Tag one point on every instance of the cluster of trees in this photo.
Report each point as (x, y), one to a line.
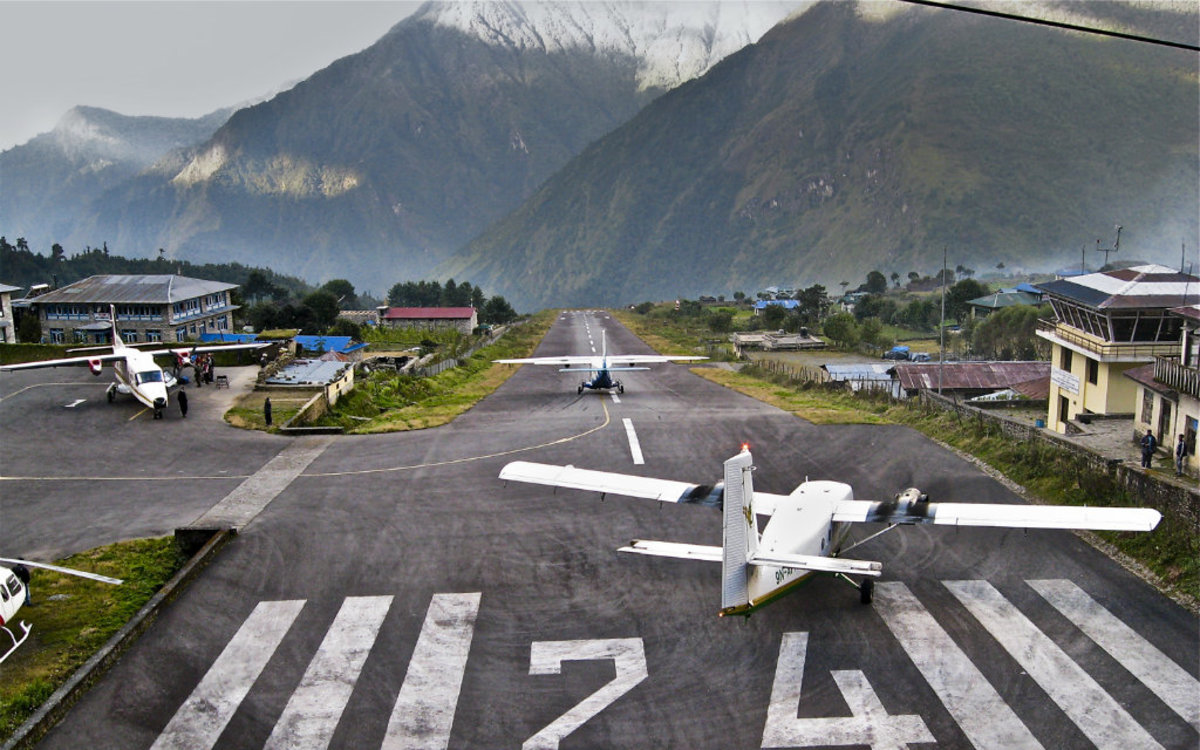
(492, 311)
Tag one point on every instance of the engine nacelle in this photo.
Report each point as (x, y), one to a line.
(96, 366)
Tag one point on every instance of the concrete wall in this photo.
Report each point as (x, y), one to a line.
(1181, 504)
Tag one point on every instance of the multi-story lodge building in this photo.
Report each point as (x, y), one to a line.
(1168, 400)
(153, 307)
(1106, 324)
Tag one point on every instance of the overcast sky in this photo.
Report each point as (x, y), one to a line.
(172, 58)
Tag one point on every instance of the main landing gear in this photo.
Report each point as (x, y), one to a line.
(111, 392)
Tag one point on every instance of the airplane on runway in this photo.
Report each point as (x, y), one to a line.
(806, 530)
(603, 365)
(12, 596)
(136, 372)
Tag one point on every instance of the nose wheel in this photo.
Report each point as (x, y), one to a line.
(579, 389)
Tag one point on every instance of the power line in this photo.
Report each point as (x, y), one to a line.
(1055, 24)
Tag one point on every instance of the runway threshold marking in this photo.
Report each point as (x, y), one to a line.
(634, 446)
(203, 716)
(979, 710)
(1154, 669)
(423, 714)
(312, 713)
(1097, 714)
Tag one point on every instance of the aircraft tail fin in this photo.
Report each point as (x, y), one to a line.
(116, 337)
(740, 534)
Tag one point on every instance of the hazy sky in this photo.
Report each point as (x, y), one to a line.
(168, 57)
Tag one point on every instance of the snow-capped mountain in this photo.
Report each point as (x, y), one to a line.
(380, 165)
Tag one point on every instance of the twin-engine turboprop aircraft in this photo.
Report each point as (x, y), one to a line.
(805, 530)
(137, 374)
(12, 597)
(603, 365)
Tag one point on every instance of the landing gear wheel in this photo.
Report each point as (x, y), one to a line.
(158, 413)
(865, 590)
(620, 388)
(579, 389)
(111, 393)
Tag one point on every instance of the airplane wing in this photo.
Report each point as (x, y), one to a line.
(674, 549)
(997, 515)
(204, 349)
(65, 361)
(556, 361)
(594, 361)
(636, 359)
(628, 485)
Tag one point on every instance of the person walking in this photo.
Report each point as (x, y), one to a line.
(1180, 456)
(1149, 444)
(182, 399)
(267, 411)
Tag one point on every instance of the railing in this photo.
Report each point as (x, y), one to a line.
(1169, 372)
(1104, 350)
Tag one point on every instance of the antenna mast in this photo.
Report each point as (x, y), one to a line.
(1106, 250)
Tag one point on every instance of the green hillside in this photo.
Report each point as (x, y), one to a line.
(841, 143)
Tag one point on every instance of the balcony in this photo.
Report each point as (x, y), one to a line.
(1179, 377)
(1105, 351)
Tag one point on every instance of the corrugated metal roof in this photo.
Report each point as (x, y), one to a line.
(1150, 286)
(970, 375)
(5, 288)
(859, 371)
(121, 289)
(428, 313)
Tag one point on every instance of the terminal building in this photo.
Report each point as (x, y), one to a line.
(149, 308)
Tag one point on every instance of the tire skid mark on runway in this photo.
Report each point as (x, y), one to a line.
(318, 474)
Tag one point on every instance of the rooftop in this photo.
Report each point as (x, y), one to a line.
(133, 288)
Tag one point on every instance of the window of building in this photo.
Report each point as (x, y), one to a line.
(1066, 359)
(56, 336)
(153, 334)
(129, 335)
(1147, 405)
(1093, 371)
(181, 334)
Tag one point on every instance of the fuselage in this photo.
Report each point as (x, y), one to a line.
(142, 377)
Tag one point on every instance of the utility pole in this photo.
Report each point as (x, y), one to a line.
(1106, 250)
(942, 325)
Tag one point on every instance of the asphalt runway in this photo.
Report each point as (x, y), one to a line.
(397, 594)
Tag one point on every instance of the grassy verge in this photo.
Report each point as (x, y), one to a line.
(388, 402)
(72, 617)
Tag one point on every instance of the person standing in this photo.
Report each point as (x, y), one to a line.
(1180, 456)
(1149, 443)
(267, 410)
(182, 399)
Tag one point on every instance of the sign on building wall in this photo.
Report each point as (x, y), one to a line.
(1064, 380)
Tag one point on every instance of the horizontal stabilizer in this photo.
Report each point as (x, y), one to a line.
(999, 515)
(674, 549)
(601, 369)
(817, 563)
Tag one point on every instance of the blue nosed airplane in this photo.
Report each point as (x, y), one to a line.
(603, 366)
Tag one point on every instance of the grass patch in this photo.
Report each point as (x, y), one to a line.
(72, 617)
(817, 405)
(391, 402)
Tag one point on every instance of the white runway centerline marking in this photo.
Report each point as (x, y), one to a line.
(312, 713)
(203, 716)
(634, 447)
(1094, 711)
(1166, 679)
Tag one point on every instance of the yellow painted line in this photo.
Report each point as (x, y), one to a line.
(382, 470)
(468, 459)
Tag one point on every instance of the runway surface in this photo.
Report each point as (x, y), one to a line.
(394, 593)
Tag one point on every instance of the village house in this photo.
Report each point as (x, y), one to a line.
(464, 319)
(1168, 398)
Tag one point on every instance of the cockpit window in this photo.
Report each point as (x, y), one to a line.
(150, 376)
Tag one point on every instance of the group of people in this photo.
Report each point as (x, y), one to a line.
(1150, 444)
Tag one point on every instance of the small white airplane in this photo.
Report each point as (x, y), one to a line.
(603, 365)
(805, 530)
(12, 596)
(136, 372)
